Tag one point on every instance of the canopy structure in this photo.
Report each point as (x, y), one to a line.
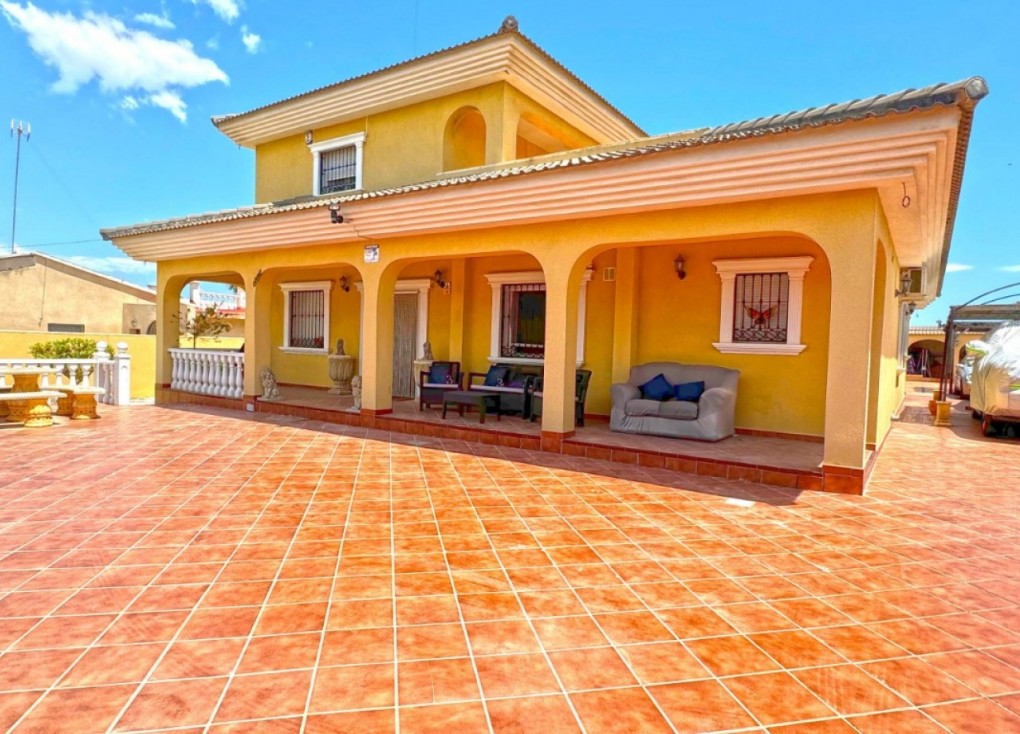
(977, 317)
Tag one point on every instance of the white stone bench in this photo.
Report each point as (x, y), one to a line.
(29, 408)
(78, 401)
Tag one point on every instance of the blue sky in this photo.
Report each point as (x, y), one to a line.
(119, 95)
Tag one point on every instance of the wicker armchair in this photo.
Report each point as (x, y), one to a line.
(439, 379)
(580, 394)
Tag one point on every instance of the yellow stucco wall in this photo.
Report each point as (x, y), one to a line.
(675, 320)
(34, 297)
(406, 145)
(141, 347)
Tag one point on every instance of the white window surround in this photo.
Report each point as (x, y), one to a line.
(498, 280)
(420, 286)
(318, 285)
(317, 149)
(728, 270)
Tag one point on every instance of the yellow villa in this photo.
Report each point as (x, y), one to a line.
(486, 200)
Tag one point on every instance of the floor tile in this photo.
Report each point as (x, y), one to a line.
(700, 706)
(618, 710)
(437, 681)
(97, 705)
(118, 664)
(443, 718)
(775, 698)
(848, 690)
(353, 687)
(172, 703)
(592, 668)
(515, 675)
(532, 715)
(265, 694)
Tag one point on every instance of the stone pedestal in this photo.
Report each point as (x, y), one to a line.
(341, 371)
(420, 365)
(943, 413)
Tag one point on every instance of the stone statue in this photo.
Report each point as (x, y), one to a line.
(426, 348)
(356, 393)
(340, 348)
(269, 389)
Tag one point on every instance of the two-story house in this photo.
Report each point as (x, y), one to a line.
(487, 200)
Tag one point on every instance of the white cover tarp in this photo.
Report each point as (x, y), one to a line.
(995, 379)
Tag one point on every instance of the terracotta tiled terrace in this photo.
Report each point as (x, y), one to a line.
(191, 569)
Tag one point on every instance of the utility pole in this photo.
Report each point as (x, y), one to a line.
(18, 128)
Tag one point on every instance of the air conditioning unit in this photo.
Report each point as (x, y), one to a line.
(916, 281)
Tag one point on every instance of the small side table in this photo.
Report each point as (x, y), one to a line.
(483, 401)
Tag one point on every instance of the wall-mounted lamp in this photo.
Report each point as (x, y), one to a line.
(678, 266)
(344, 285)
(134, 323)
(905, 283)
(308, 137)
(334, 214)
(437, 278)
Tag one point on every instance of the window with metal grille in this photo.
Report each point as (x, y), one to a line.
(522, 333)
(307, 319)
(338, 169)
(761, 307)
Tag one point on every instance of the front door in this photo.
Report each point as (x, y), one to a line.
(405, 331)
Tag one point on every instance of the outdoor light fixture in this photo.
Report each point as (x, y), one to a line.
(438, 278)
(334, 214)
(678, 266)
(905, 282)
(344, 285)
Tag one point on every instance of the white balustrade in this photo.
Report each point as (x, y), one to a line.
(113, 375)
(208, 372)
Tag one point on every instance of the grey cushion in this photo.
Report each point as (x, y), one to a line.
(643, 407)
(682, 409)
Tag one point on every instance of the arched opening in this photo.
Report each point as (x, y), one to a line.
(151, 331)
(924, 358)
(464, 140)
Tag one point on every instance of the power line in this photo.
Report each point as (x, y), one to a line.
(62, 244)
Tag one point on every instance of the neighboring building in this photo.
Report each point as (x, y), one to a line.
(485, 198)
(45, 293)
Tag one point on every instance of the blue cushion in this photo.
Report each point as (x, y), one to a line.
(441, 374)
(496, 375)
(689, 391)
(657, 388)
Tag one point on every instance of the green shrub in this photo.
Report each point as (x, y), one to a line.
(73, 347)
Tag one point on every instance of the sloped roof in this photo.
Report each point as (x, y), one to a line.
(509, 27)
(30, 259)
(964, 94)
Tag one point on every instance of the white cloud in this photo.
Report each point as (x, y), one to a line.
(229, 10)
(213, 44)
(129, 103)
(113, 265)
(958, 268)
(252, 41)
(157, 21)
(1010, 269)
(122, 60)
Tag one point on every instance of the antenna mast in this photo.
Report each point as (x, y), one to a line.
(18, 128)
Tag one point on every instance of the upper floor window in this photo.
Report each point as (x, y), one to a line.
(338, 164)
(306, 317)
(761, 305)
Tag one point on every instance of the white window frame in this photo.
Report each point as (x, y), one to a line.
(728, 270)
(317, 149)
(497, 281)
(318, 285)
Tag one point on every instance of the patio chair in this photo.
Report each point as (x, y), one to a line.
(440, 378)
(580, 394)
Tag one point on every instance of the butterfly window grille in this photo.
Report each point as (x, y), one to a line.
(761, 307)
